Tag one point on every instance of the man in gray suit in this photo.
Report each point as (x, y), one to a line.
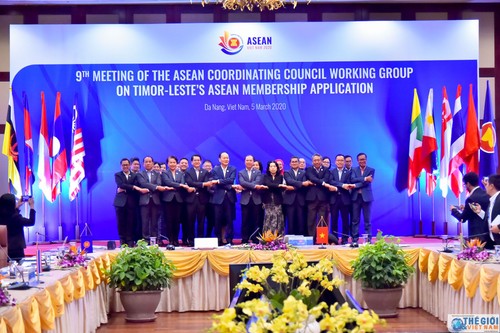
(362, 197)
(149, 202)
(251, 204)
(294, 197)
(125, 202)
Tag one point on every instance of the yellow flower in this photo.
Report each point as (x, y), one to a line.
(304, 289)
(251, 287)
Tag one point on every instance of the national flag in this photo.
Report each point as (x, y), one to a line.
(43, 170)
(488, 154)
(457, 146)
(415, 152)
(58, 151)
(77, 169)
(10, 149)
(429, 146)
(446, 125)
(472, 138)
(29, 177)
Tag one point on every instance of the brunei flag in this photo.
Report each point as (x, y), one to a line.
(10, 149)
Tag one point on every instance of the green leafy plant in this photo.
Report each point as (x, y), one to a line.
(382, 264)
(140, 268)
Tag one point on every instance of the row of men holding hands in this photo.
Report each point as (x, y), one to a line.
(312, 191)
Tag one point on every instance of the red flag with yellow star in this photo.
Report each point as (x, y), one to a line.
(322, 232)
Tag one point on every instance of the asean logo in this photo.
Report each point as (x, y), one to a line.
(231, 44)
(488, 138)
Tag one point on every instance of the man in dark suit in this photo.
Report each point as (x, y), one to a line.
(172, 199)
(251, 203)
(224, 199)
(149, 202)
(294, 197)
(492, 214)
(340, 200)
(317, 194)
(478, 227)
(196, 201)
(362, 197)
(125, 202)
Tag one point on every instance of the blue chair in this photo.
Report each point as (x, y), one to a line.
(352, 301)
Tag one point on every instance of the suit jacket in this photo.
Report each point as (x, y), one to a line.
(142, 179)
(274, 190)
(477, 225)
(15, 231)
(341, 193)
(318, 191)
(363, 187)
(129, 196)
(224, 187)
(201, 192)
(494, 213)
(296, 196)
(175, 181)
(249, 191)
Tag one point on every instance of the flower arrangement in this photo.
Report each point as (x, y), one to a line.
(72, 258)
(5, 298)
(271, 241)
(291, 301)
(474, 251)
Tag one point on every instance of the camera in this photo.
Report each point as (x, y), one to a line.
(25, 198)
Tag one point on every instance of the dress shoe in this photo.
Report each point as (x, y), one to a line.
(354, 244)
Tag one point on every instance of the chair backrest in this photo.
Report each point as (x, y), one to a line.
(4, 260)
(353, 303)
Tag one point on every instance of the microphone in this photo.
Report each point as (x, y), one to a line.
(253, 233)
(16, 285)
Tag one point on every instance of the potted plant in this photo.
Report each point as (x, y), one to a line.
(383, 270)
(139, 274)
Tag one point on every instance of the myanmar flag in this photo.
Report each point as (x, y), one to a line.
(415, 152)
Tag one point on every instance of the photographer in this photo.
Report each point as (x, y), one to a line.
(15, 222)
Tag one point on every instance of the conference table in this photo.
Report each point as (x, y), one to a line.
(78, 300)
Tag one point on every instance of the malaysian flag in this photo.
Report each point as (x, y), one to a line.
(29, 177)
(77, 169)
(58, 151)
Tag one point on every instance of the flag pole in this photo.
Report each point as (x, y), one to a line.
(77, 225)
(60, 229)
(459, 225)
(433, 223)
(420, 227)
(445, 223)
(44, 219)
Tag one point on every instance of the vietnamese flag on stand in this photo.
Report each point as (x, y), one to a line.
(472, 138)
(322, 232)
(415, 151)
(58, 151)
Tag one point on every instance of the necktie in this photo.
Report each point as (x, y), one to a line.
(249, 175)
(149, 176)
(197, 174)
(340, 174)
